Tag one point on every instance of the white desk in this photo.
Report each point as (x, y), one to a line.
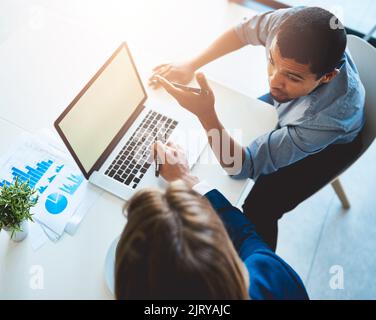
(44, 65)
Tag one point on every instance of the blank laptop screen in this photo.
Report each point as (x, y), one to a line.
(101, 111)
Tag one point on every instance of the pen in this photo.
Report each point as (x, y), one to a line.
(190, 89)
(186, 88)
(156, 160)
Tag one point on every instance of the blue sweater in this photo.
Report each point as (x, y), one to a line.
(270, 276)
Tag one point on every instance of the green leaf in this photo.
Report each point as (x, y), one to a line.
(16, 201)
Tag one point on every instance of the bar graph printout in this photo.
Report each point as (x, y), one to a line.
(60, 185)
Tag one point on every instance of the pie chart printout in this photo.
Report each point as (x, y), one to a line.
(56, 203)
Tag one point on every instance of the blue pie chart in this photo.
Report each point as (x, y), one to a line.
(56, 203)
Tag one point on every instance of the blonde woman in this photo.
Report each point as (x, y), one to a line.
(180, 244)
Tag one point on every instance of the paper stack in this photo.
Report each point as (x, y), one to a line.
(64, 194)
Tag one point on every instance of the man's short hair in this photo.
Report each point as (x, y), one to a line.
(313, 36)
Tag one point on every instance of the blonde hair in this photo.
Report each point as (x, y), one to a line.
(175, 246)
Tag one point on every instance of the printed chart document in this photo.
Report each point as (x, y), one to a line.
(64, 194)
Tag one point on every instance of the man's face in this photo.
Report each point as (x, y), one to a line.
(289, 79)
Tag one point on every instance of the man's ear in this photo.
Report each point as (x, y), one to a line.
(329, 76)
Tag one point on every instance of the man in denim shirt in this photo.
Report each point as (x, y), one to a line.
(319, 97)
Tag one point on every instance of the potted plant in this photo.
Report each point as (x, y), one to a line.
(15, 203)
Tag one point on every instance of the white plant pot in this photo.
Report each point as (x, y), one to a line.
(20, 235)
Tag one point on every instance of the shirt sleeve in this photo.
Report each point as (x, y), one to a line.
(271, 278)
(282, 147)
(239, 227)
(258, 28)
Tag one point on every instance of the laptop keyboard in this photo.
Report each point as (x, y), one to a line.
(133, 160)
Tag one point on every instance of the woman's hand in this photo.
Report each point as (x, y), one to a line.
(173, 163)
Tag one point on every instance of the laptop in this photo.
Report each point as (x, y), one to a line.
(110, 126)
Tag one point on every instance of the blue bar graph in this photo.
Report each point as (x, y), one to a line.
(50, 179)
(58, 168)
(33, 175)
(4, 182)
(76, 182)
(41, 189)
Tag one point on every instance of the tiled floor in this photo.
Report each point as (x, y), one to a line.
(348, 238)
(319, 234)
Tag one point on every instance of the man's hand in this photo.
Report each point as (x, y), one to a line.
(181, 73)
(173, 163)
(201, 105)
